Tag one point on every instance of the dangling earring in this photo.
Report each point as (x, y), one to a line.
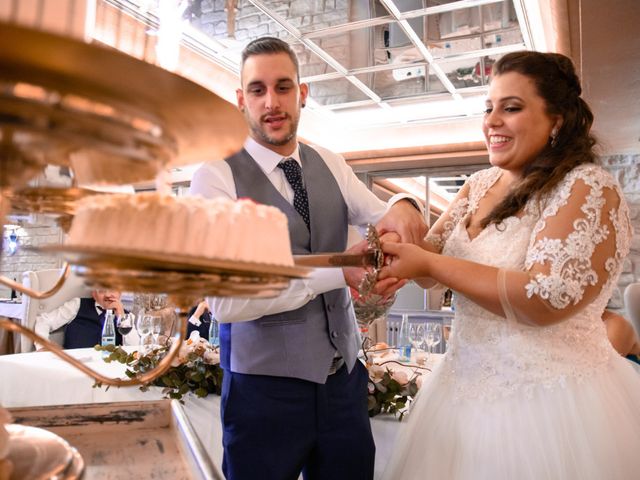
(554, 137)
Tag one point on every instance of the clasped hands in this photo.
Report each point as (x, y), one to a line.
(402, 223)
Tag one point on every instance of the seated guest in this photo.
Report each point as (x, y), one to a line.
(621, 335)
(82, 319)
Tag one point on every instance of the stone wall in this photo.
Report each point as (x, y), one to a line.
(626, 169)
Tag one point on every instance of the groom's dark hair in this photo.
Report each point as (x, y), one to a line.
(269, 46)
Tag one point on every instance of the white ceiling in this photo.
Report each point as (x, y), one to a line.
(370, 113)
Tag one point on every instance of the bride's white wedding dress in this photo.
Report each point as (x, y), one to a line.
(515, 401)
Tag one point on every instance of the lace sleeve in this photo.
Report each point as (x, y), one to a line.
(576, 249)
(441, 230)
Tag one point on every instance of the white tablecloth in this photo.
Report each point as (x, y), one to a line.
(41, 378)
(11, 310)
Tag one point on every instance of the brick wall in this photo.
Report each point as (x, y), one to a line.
(45, 232)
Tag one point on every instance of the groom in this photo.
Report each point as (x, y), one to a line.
(294, 396)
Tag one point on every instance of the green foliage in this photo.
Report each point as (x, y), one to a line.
(387, 395)
(193, 374)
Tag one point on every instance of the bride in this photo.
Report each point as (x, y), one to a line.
(530, 387)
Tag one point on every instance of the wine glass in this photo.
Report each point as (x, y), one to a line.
(432, 335)
(144, 324)
(156, 328)
(416, 335)
(125, 325)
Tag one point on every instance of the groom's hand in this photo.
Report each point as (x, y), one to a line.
(354, 275)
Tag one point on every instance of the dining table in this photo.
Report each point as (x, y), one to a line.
(13, 310)
(43, 379)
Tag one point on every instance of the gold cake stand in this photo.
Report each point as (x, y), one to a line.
(116, 120)
(113, 119)
(48, 200)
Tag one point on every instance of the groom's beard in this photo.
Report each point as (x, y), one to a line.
(260, 133)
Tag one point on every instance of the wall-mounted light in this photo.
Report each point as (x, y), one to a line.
(11, 240)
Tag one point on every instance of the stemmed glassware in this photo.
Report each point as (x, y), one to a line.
(125, 325)
(144, 325)
(416, 335)
(432, 335)
(156, 328)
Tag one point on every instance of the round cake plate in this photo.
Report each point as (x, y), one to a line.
(202, 124)
(49, 200)
(40, 454)
(133, 270)
(130, 258)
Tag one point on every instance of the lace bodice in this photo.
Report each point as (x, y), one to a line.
(489, 356)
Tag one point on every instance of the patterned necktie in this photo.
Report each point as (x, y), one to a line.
(293, 172)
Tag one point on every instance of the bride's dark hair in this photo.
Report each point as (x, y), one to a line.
(557, 83)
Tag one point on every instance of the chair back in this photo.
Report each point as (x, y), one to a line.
(632, 304)
(41, 281)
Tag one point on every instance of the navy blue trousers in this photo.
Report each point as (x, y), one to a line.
(277, 427)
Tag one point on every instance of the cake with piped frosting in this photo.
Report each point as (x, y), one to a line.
(218, 228)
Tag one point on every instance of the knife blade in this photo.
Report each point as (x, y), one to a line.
(371, 258)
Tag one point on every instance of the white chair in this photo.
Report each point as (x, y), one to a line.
(632, 304)
(42, 281)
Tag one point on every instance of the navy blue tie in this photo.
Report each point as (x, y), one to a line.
(293, 172)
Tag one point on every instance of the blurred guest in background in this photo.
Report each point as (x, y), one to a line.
(82, 319)
(622, 335)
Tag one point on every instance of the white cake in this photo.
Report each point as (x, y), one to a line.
(213, 228)
(6, 466)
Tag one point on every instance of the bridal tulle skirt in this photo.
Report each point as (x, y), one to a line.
(582, 429)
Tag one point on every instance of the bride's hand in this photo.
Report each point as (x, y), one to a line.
(402, 261)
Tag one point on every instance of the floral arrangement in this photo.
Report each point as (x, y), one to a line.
(196, 368)
(390, 390)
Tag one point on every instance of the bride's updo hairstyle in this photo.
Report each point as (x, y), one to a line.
(557, 83)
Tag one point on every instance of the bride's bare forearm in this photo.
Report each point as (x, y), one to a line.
(473, 280)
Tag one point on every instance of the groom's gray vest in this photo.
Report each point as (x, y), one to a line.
(299, 343)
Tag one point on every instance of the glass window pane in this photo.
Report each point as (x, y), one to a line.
(411, 5)
(338, 91)
(312, 15)
(469, 72)
(498, 16)
(310, 63)
(359, 48)
(402, 82)
(446, 48)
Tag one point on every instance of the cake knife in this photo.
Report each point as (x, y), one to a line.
(370, 258)
(373, 257)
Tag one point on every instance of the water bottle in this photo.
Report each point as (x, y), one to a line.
(214, 332)
(108, 331)
(404, 340)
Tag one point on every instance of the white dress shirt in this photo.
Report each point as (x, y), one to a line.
(215, 179)
(48, 322)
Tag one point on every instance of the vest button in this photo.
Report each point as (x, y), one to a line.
(329, 308)
(334, 334)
